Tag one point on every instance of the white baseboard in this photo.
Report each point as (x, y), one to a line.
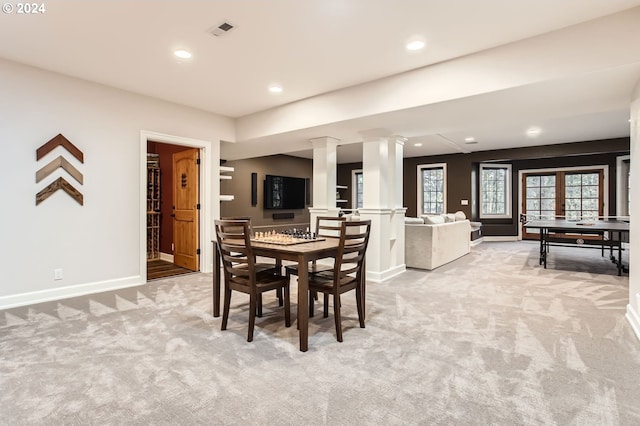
(498, 238)
(378, 277)
(166, 257)
(476, 241)
(41, 296)
(634, 319)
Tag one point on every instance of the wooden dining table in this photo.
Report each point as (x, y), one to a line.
(302, 253)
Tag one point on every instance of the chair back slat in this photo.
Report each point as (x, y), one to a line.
(354, 239)
(329, 226)
(234, 243)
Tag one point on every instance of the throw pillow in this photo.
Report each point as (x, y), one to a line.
(449, 217)
(414, 220)
(460, 215)
(433, 219)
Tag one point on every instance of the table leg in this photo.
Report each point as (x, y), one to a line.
(619, 253)
(216, 280)
(363, 288)
(543, 248)
(303, 303)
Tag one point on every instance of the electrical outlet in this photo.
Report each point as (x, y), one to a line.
(57, 274)
(464, 202)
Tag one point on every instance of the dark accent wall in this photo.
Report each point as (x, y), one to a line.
(463, 182)
(240, 187)
(462, 174)
(165, 151)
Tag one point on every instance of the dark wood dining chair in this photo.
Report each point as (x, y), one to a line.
(348, 272)
(241, 274)
(326, 226)
(275, 267)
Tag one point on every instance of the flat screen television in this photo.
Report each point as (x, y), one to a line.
(284, 192)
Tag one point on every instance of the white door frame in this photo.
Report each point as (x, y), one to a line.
(205, 217)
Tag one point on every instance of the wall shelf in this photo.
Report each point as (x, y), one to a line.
(226, 169)
(339, 189)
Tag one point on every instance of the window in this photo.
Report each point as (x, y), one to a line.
(540, 197)
(574, 193)
(582, 195)
(432, 184)
(358, 189)
(495, 191)
(623, 186)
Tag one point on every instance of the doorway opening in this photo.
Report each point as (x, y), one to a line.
(174, 203)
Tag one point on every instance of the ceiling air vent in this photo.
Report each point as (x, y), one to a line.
(221, 29)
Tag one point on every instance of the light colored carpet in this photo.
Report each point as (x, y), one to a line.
(491, 338)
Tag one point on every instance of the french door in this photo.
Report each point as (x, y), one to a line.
(574, 195)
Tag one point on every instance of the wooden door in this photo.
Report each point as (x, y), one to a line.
(186, 209)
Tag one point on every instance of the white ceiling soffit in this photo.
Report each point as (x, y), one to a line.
(342, 64)
(583, 95)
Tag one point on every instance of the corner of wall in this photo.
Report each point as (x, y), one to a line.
(634, 317)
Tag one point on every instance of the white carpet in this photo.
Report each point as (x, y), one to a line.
(491, 338)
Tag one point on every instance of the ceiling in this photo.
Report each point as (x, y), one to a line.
(322, 49)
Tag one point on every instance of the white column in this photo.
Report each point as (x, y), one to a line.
(397, 210)
(325, 171)
(633, 308)
(382, 204)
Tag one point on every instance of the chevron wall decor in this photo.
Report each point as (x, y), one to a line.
(64, 164)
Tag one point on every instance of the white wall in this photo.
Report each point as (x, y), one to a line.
(97, 245)
(521, 63)
(633, 309)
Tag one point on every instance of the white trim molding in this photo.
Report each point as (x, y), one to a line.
(499, 238)
(634, 318)
(33, 297)
(507, 191)
(377, 277)
(207, 162)
(419, 186)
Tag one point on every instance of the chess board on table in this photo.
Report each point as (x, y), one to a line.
(284, 239)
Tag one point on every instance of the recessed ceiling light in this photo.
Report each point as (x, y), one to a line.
(275, 88)
(534, 132)
(182, 54)
(469, 139)
(417, 144)
(415, 45)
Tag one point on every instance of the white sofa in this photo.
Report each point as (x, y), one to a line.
(430, 245)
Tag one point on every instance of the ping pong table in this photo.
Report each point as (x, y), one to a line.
(604, 228)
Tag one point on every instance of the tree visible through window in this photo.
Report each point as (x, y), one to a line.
(432, 180)
(582, 195)
(357, 177)
(495, 187)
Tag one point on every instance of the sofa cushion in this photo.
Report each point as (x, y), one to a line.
(433, 219)
(417, 220)
(449, 217)
(460, 215)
